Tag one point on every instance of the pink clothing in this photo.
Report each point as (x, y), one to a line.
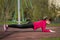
(41, 24)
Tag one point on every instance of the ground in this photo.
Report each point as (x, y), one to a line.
(27, 34)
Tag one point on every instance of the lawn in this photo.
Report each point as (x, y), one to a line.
(54, 24)
(15, 22)
(57, 38)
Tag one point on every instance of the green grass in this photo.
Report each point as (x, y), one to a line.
(58, 38)
(15, 22)
(8, 22)
(54, 24)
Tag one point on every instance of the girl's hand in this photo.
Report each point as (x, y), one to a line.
(52, 31)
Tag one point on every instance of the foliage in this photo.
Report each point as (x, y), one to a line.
(33, 9)
(7, 10)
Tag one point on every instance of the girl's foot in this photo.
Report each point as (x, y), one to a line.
(5, 27)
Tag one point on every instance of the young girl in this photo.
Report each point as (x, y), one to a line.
(35, 25)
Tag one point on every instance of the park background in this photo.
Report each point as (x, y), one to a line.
(33, 9)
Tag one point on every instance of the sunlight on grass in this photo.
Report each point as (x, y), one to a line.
(54, 24)
(50, 38)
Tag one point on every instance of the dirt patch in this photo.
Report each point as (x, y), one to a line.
(28, 34)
